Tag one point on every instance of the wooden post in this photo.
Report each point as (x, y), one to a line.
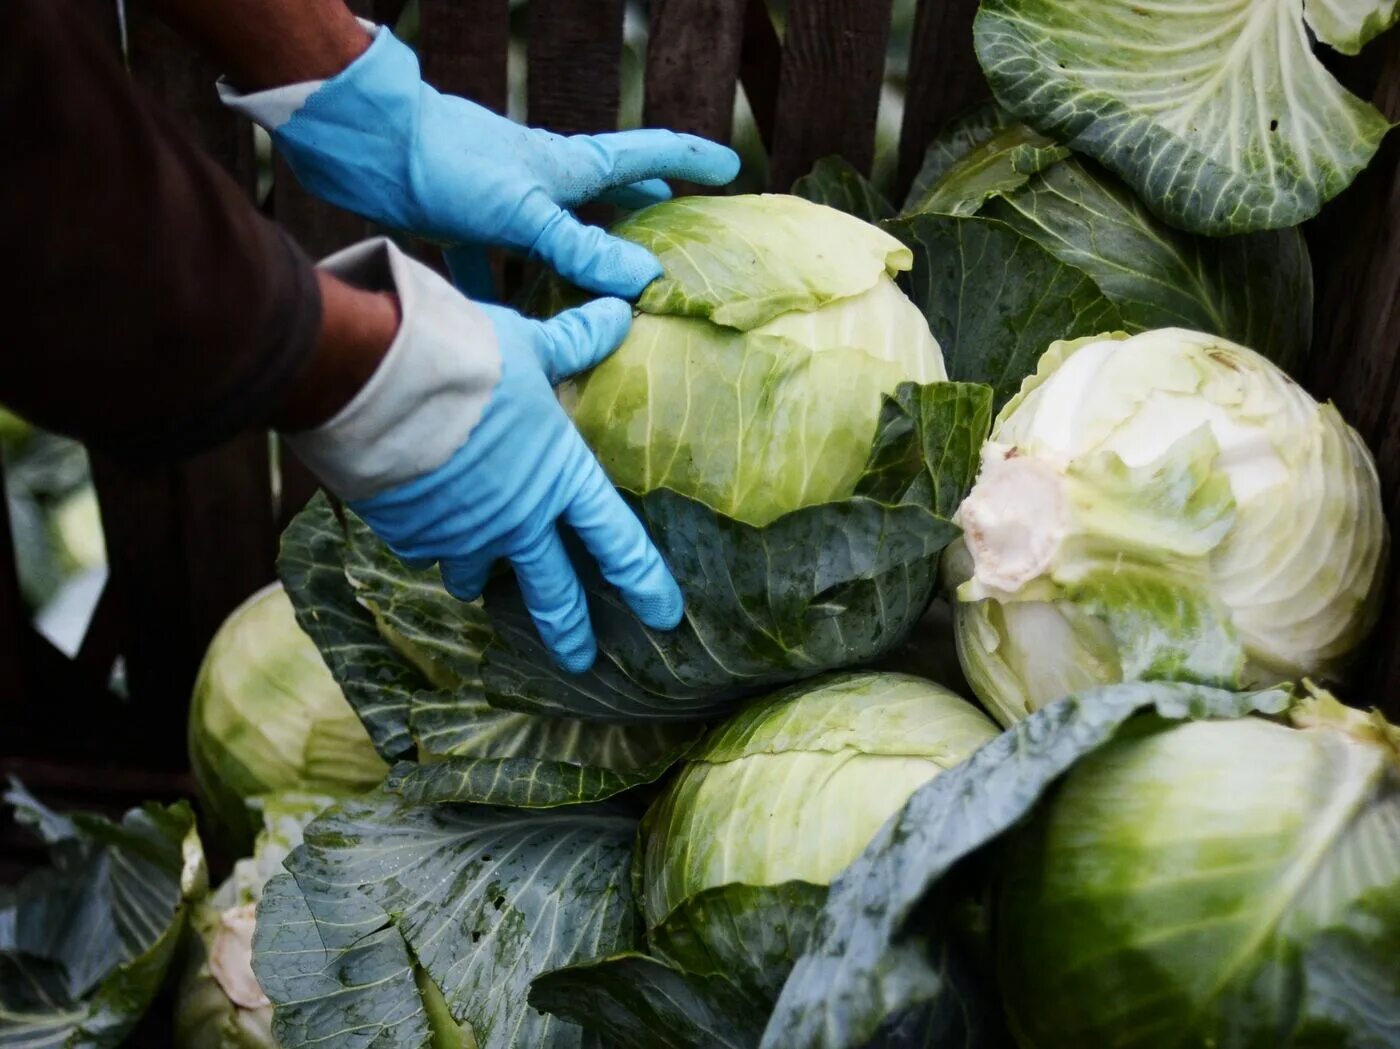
(829, 96)
(693, 66)
(944, 79)
(575, 53)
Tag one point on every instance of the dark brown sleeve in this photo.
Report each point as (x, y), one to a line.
(147, 307)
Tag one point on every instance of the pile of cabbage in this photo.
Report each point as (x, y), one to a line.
(1129, 811)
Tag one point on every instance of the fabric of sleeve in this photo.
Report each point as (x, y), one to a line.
(151, 310)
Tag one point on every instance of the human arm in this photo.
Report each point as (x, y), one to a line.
(154, 312)
(263, 44)
(150, 310)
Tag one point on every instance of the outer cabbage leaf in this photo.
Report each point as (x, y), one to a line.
(717, 964)
(821, 587)
(407, 654)
(343, 936)
(742, 261)
(1004, 162)
(871, 960)
(1218, 114)
(1256, 289)
(639, 1002)
(85, 946)
(995, 299)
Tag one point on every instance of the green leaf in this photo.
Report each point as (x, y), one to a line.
(378, 683)
(835, 183)
(960, 137)
(439, 635)
(1167, 625)
(1256, 289)
(388, 631)
(995, 300)
(1004, 162)
(822, 587)
(85, 945)
(482, 899)
(639, 1002)
(529, 782)
(819, 588)
(717, 269)
(1217, 114)
(346, 968)
(749, 936)
(869, 962)
(927, 445)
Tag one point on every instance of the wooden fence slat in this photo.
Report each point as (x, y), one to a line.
(575, 55)
(1355, 362)
(463, 45)
(692, 68)
(760, 68)
(944, 79)
(829, 93)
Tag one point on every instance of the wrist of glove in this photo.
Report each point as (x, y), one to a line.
(458, 453)
(378, 141)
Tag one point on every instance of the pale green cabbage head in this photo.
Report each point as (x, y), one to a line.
(1211, 883)
(267, 717)
(1165, 505)
(753, 377)
(793, 787)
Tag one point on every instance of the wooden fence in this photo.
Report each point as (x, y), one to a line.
(189, 540)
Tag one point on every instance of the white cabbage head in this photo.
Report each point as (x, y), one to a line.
(1168, 504)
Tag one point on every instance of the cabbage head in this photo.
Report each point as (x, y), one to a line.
(219, 1004)
(1231, 882)
(780, 798)
(267, 717)
(754, 376)
(779, 418)
(1167, 505)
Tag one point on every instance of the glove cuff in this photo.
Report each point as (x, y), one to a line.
(427, 395)
(275, 106)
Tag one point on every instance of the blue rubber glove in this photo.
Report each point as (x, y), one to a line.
(458, 453)
(377, 141)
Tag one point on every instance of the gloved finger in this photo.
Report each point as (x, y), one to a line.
(470, 266)
(577, 339)
(593, 259)
(632, 156)
(418, 564)
(555, 599)
(624, 552)
(638, 195)
(466, 578)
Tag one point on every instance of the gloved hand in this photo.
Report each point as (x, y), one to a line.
(377, 141)
(458, 453)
